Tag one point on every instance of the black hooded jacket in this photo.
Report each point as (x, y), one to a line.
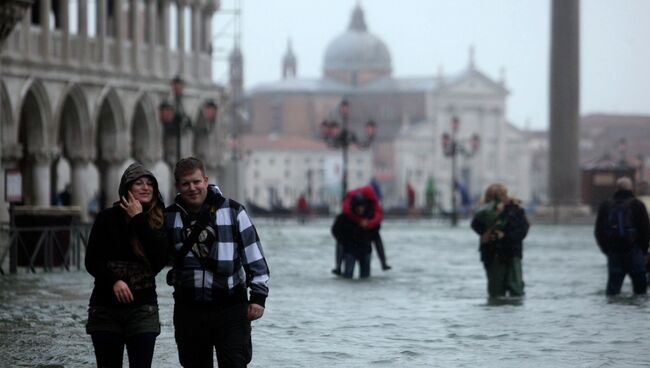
(110, 254)
(639, 216)
(354, 239)
(515, 228)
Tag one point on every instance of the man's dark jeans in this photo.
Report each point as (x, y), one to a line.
(202, 329)
(631, 262)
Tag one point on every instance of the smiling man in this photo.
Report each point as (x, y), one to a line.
(217, 259)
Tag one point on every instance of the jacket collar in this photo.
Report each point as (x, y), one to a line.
(213, 198)
(623, 194)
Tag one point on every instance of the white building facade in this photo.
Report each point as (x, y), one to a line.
(502, 155)
(278, 170)
(411, 114)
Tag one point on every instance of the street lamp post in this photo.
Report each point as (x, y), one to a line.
(452, 147)
(175, 120)
(341, 137)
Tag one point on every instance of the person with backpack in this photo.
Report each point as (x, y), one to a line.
(622, 232)
(219, 272)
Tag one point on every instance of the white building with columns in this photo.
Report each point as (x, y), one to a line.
(83, 103)
(278, 169)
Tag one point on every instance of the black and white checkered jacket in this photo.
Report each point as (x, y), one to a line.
(234, 259)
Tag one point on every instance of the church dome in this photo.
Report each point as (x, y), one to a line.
(357, 50)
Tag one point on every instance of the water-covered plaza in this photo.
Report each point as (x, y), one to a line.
(430, 310)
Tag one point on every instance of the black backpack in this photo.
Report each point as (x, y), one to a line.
(619, 227)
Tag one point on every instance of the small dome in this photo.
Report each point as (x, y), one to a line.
(357, 50)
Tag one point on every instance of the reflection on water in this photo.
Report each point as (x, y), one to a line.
(430, 310)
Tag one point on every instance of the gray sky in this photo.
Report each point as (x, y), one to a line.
(423, 35)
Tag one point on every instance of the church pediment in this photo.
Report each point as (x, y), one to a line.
(474, 83)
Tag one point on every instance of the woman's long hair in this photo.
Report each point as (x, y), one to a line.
(155, 218)
(494, 193)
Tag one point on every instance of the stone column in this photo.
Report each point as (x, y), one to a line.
(151, 35)
(165, 37)
(65, 31)
(135, 35)
(119, 33)
(25, 33)
(101, 31)
(206, 37)
(110, 175)
(564, 175)
(197, 27)
(180, 28)
(83, 32)
(41, 163)
(12, 153)
(206, 32)
(44, 10)
(78, 180)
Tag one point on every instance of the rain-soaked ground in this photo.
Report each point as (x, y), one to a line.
(430, 310)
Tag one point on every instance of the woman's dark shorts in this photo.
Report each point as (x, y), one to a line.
(124, 321)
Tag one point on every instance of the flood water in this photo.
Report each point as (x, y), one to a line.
(430, 310)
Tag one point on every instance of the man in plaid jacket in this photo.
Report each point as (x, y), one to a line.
(217, 260)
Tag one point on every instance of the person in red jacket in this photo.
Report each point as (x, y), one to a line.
(370, 220)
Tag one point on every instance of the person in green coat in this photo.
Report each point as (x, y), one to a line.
(502, 226)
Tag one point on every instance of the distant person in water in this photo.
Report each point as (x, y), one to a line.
(622, 232)
(354, 240)
(502, 225)
(370, 220)
(302, 208)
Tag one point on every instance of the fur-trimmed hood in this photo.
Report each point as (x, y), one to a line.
(132, 173)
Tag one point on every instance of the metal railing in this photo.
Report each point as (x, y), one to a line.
(45, 247)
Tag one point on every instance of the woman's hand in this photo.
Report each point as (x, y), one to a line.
(486, 237)
(122, 292)
(498, 234)
(131, 205)
(500, 207)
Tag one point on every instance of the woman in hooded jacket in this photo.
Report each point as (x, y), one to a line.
(127, 247)
(502, 225)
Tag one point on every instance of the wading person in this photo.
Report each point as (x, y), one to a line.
(502, 225)
(354, 240)
(369, 220)
(217, 258)
(127, 247)
(622, 232)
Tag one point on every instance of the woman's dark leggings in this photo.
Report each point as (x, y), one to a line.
(379, 245)
(109, 349)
